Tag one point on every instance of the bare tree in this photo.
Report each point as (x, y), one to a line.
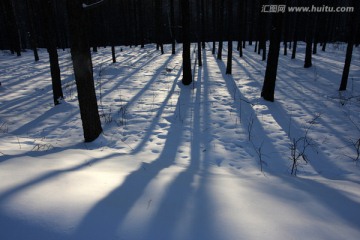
(229, 33)
(82, 63)
(12, 26)
(158, 24)
(32, 33)
(268, 88)
(311, 23)
(185, 8)
(220, 27)
(50, 39)
(351, 41)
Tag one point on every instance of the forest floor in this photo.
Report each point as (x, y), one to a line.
(211, 160)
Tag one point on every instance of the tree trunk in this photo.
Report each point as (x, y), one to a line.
(12, 27)
(50, 39)
(158, 24)
(295, 34)
(213, 11)
(113, 53)
(323, 47)
(293, 55)
(141, 23)
(229, 33)
(203, 24)
(220, 29)
(309, 41)
(351, 41)
(315, 48)
(185, 8)
(172, 26)
(81, 57)
(32, 33)
(308, 53)
(241, 27)
(268, 88)
(199, 30)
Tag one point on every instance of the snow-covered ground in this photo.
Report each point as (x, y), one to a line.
(207, 161)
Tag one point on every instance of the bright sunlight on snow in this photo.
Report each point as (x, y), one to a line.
(211, 160)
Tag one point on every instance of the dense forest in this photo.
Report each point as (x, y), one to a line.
(137, 22)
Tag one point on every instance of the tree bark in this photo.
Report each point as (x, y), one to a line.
(199, 31)
(81, 57)
(268, 88)
(50, 39)
(158, 24)
(187, 76)
(241, 27)
(309, 41)
(172, 26)
(351, 41)
(220, 29)
(12, 27)
(229, 33)
(32, 33)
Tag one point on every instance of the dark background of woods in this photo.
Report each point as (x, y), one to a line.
(136, 22)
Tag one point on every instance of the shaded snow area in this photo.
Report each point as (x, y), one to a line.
(210, 161)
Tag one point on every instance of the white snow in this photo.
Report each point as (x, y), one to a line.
(178, 162)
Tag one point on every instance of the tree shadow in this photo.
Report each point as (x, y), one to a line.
(126, 195)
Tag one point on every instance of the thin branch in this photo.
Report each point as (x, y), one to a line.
(92, 5)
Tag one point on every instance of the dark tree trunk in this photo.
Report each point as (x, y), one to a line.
(50, 39)
(241, 26)
(199, 49)
(245, 21)
(351, 41)
(293, 55)
(262, 26)
(268, 88)
(308, 53)
(309, 41)
(323, 48)
(315, 48)
(229, 33)
(158, 25)
(185, 8)
(213, 11)
(295, 34)
(264, 50)
(286, 31)
(12, 27)
(141, 22)
(32, 34)
(81, 57)
(203, 24)
(220, 29)
(199, 29)
(346, 70)
(172, 26)
(113, 53)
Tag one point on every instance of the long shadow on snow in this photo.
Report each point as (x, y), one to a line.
(248, 111)
(156, 119)
(280, 116)
(331, 198)
(133, 72)
(120, 201)
(187, 201)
